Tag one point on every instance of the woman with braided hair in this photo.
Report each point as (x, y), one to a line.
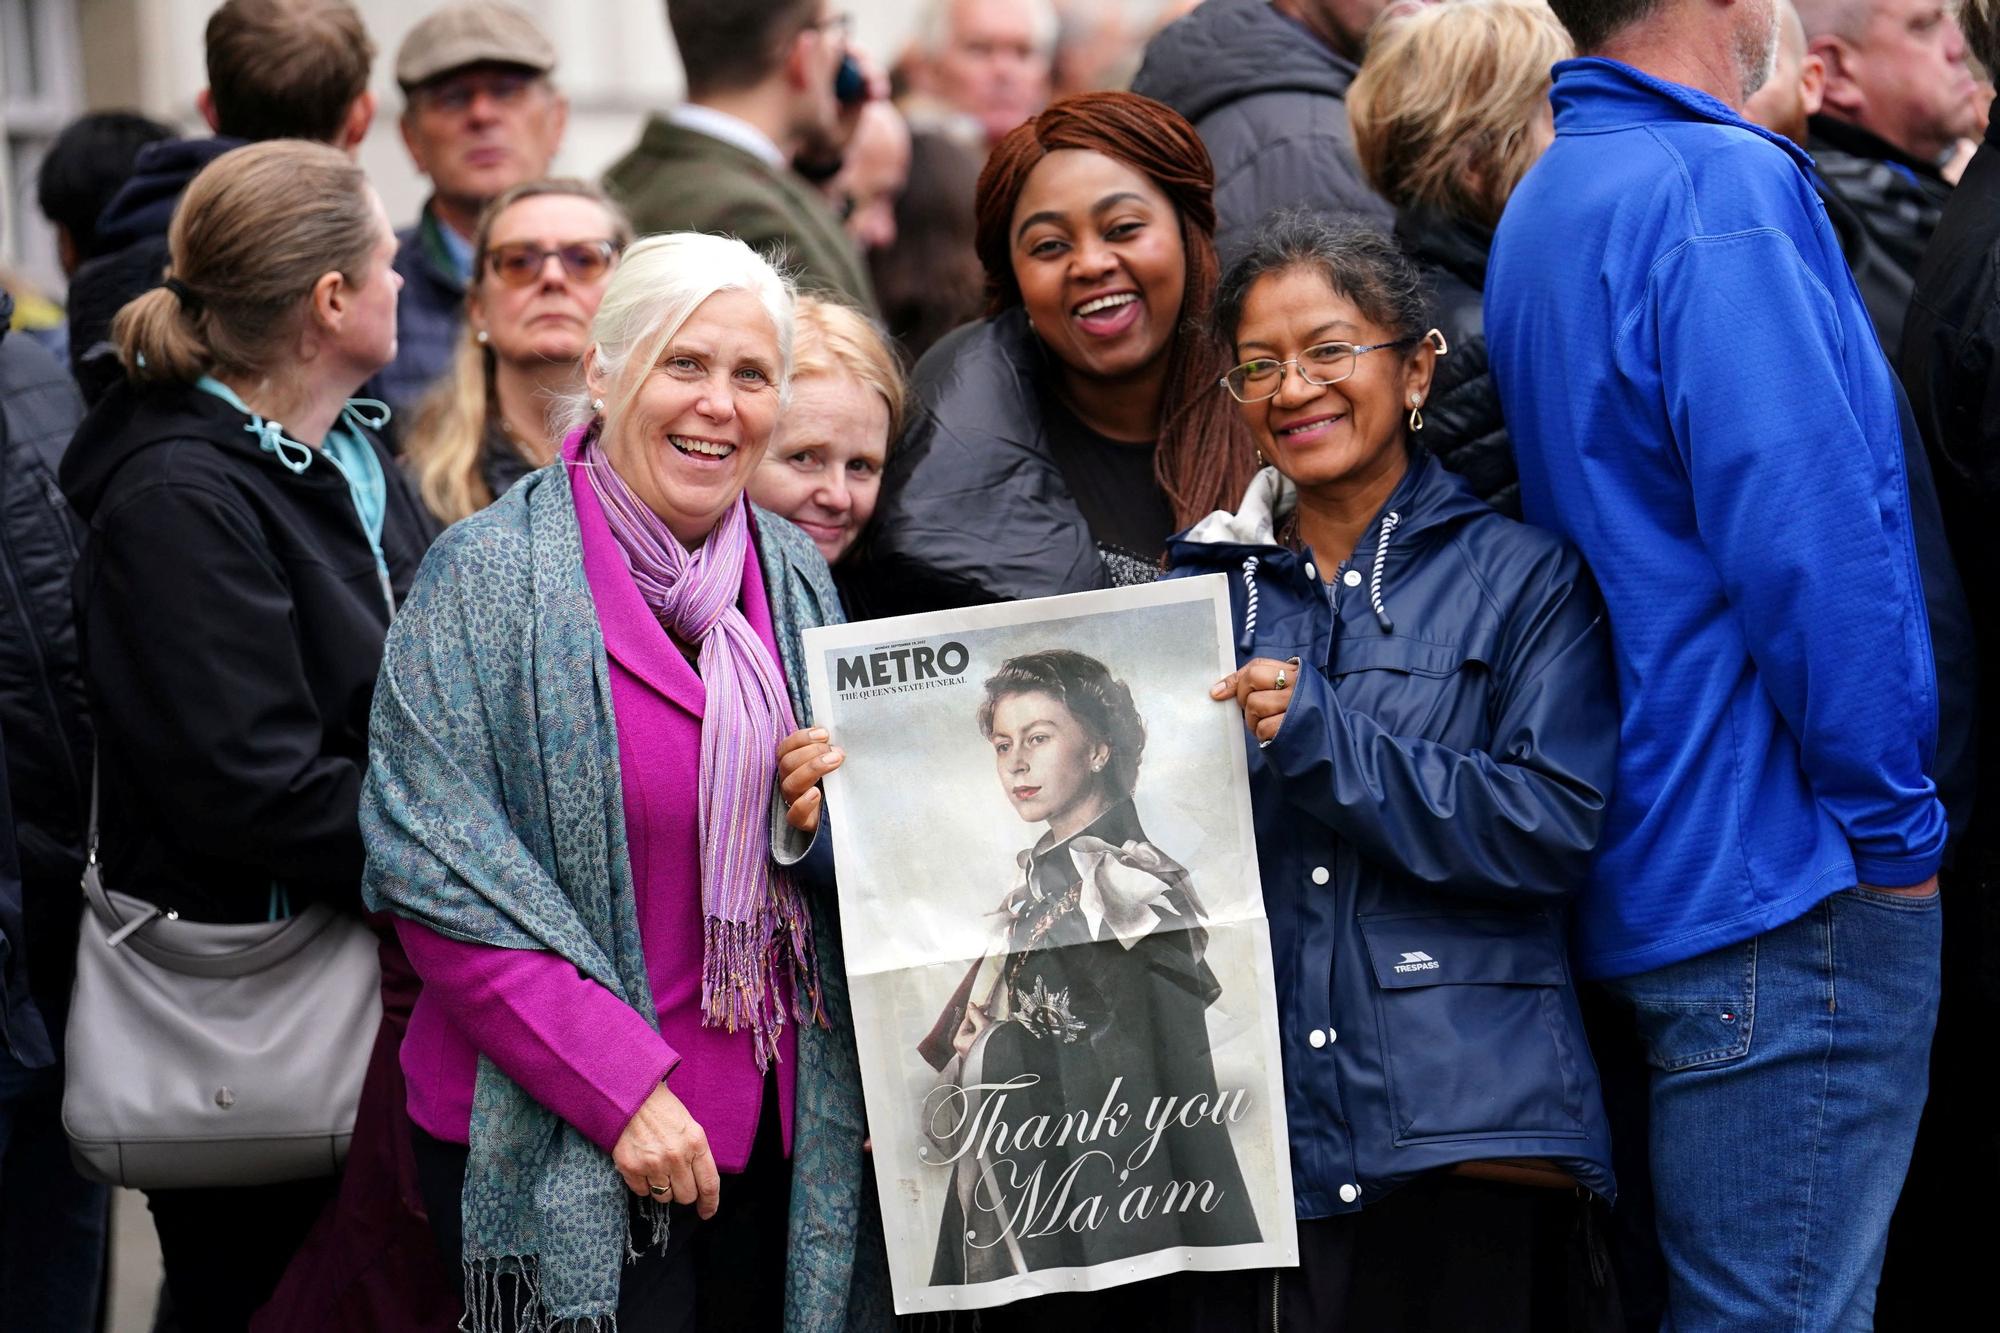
(1063, 439)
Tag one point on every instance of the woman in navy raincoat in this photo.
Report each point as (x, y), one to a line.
(1432, 694)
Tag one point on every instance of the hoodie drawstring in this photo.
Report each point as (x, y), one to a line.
(374, 419)
(1247, 639)
(1389, 522)
(271, 439)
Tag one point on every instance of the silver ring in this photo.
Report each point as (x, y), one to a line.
(657, 1191)
(1281, 678)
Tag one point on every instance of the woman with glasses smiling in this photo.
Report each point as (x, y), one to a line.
(1430, 688)
(542, 256)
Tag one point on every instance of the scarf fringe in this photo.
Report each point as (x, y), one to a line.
(486, 1288)
(740, 971)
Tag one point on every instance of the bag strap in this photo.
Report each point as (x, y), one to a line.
(263, 944)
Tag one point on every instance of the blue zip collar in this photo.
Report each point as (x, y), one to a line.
(1593, 94)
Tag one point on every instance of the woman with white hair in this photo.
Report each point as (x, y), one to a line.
(633, 1035)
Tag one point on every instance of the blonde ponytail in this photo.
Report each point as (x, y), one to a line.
(159, 339)
(252, 234)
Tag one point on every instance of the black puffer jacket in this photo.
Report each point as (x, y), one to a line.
(1270, 101)
(231, 618)
(974, 508)
(1462, 423)
(41, 690)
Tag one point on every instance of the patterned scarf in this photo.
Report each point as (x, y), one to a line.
(754, 922)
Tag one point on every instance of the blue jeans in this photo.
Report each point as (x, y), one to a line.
(1787, 1075)
(51, 1219)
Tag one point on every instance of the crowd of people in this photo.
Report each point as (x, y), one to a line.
(1585, 401)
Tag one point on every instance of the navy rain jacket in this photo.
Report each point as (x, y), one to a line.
(1423, 817)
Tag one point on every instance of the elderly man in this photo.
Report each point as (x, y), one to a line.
(1265, 83)
(1950, 364)
(760, 77)
(1898, 97)
(987, 63)
(1698, 401)
(1785, 105)
(480, 117)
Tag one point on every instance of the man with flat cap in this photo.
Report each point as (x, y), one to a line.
(480, 117)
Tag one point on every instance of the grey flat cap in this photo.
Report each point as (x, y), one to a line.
(473, 32)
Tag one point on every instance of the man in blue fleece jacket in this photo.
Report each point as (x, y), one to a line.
(1699, 402)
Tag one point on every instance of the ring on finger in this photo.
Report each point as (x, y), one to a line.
(1281, 678)
(657, 1191)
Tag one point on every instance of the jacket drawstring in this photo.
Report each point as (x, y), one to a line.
(1389, 522)
(271, 439)
(374, 419)
(1247, 639)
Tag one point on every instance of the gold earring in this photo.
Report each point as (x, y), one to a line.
(1416, 419)
(1260, 458)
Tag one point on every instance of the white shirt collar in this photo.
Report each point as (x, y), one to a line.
(730, 129)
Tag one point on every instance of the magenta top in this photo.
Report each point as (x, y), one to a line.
(571, 1044)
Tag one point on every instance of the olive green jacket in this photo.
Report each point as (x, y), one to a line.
(678, 179)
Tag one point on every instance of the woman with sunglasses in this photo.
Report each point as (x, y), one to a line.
(1430, 688)
(542, 256)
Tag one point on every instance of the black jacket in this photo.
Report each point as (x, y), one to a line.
(41, 690)
(131, 252)
(974, 508)
(1462, 424)
(23, 1034)
(231, 618)
(1270, 101)
(1951, 340)
(1885, 284)
(1898, 197)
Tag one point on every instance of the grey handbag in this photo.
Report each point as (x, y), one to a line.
(202, 1054)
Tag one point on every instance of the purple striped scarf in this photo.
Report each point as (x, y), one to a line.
(753, 921)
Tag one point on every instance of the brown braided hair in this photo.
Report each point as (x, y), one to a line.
(1205, 458)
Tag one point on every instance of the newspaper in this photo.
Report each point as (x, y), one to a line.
(1060, 968)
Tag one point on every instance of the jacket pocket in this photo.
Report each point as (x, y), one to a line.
(1412, 687)
(1477, 1029)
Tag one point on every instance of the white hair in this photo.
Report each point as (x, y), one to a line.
(659, 283)
(934, 32)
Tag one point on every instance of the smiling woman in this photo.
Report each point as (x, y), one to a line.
(1430, 689)
(1067, 436)
(848, 397)
(632, 1022)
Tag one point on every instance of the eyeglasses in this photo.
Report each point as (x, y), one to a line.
(455, 95)
(1321, 364)
(833, 25)
(519, 263)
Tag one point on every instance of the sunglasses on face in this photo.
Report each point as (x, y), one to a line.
(521, 262)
